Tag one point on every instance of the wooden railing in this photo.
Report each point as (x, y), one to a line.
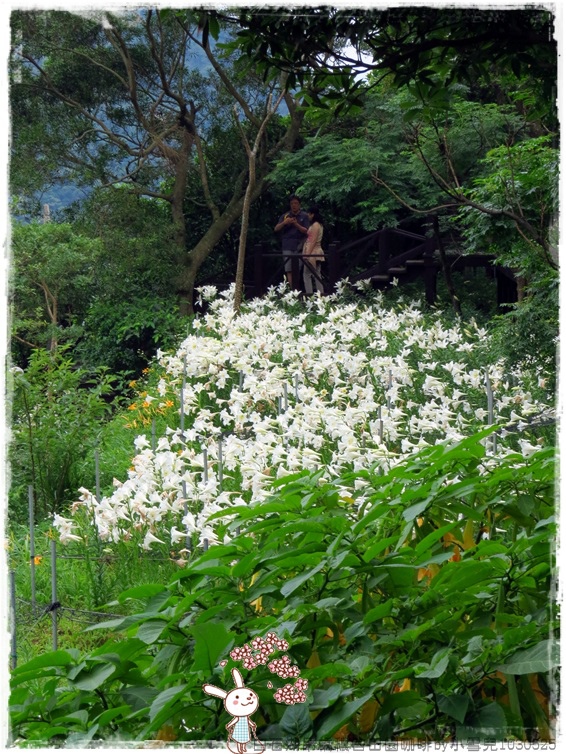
(379, 257)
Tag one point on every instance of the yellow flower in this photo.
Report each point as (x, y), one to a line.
(145, 371)
(37, 559)
(169, 403)
(132, 407)
(133, 383)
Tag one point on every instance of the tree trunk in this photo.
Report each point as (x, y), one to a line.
(198, 254)
(445, 268)
(252, 154)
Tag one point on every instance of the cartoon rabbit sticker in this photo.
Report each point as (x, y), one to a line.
(241, 702)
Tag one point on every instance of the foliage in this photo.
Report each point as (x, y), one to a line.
(56, 411)
(522, 179)
(418, 600)
(86, 580)
(143, 93)
(430, 47)
(393, 138)
(52, 278)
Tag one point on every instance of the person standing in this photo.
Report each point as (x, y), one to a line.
(293, 226)
(313, 255)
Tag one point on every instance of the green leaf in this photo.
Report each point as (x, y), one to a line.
(151, 630)
(379, 547)
(290, 586)
(488, 722)
(381, 611)
(433, 537)
(454, 706)
(328, 723)
(138, 697)
(296, 721)
(58, 658)
(538, 659)
(324, 698)
(409, 514)
(213, 640)
(437, 666)
(80, 716)
(89, 680)
(165, 700)
(142, 592)
(111, 714)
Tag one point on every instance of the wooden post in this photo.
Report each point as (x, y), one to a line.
(383, 250)
(295, 272)
(333, 257)
(430, 273)
(258, 270)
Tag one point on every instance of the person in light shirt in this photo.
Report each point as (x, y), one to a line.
(313, 255)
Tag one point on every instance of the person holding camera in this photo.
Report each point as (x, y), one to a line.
(293, 226)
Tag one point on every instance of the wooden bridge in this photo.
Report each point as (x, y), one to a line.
(380, 257)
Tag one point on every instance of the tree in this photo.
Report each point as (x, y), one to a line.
(138, 111)
(52, 281)
(329, 48)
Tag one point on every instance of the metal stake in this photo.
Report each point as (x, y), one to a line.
(32, 548)
(14, 652)
(54, 592)
(184, 382)
(97, 475)
(490, 413)
(185, 511)
(220, 469)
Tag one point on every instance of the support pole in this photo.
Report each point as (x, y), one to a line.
(54, 592)
(32, 548)
(97, 475)
(490, 413)
(13, 652)
(220, 464)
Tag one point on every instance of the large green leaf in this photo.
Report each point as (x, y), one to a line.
(538, 659)
(454, 706)
(89, 680)
(212, 641)
(166, 700)
(151, 630)
(290, 586)
(437, 666)
(296, 721)
(58, 658)
(331, 721)
(488, 722)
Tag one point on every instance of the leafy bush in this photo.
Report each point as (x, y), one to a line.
(415, 602)
(57, 411)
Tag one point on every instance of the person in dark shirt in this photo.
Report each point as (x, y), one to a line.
(293, 226)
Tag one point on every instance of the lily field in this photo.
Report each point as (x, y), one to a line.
(360, 480)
